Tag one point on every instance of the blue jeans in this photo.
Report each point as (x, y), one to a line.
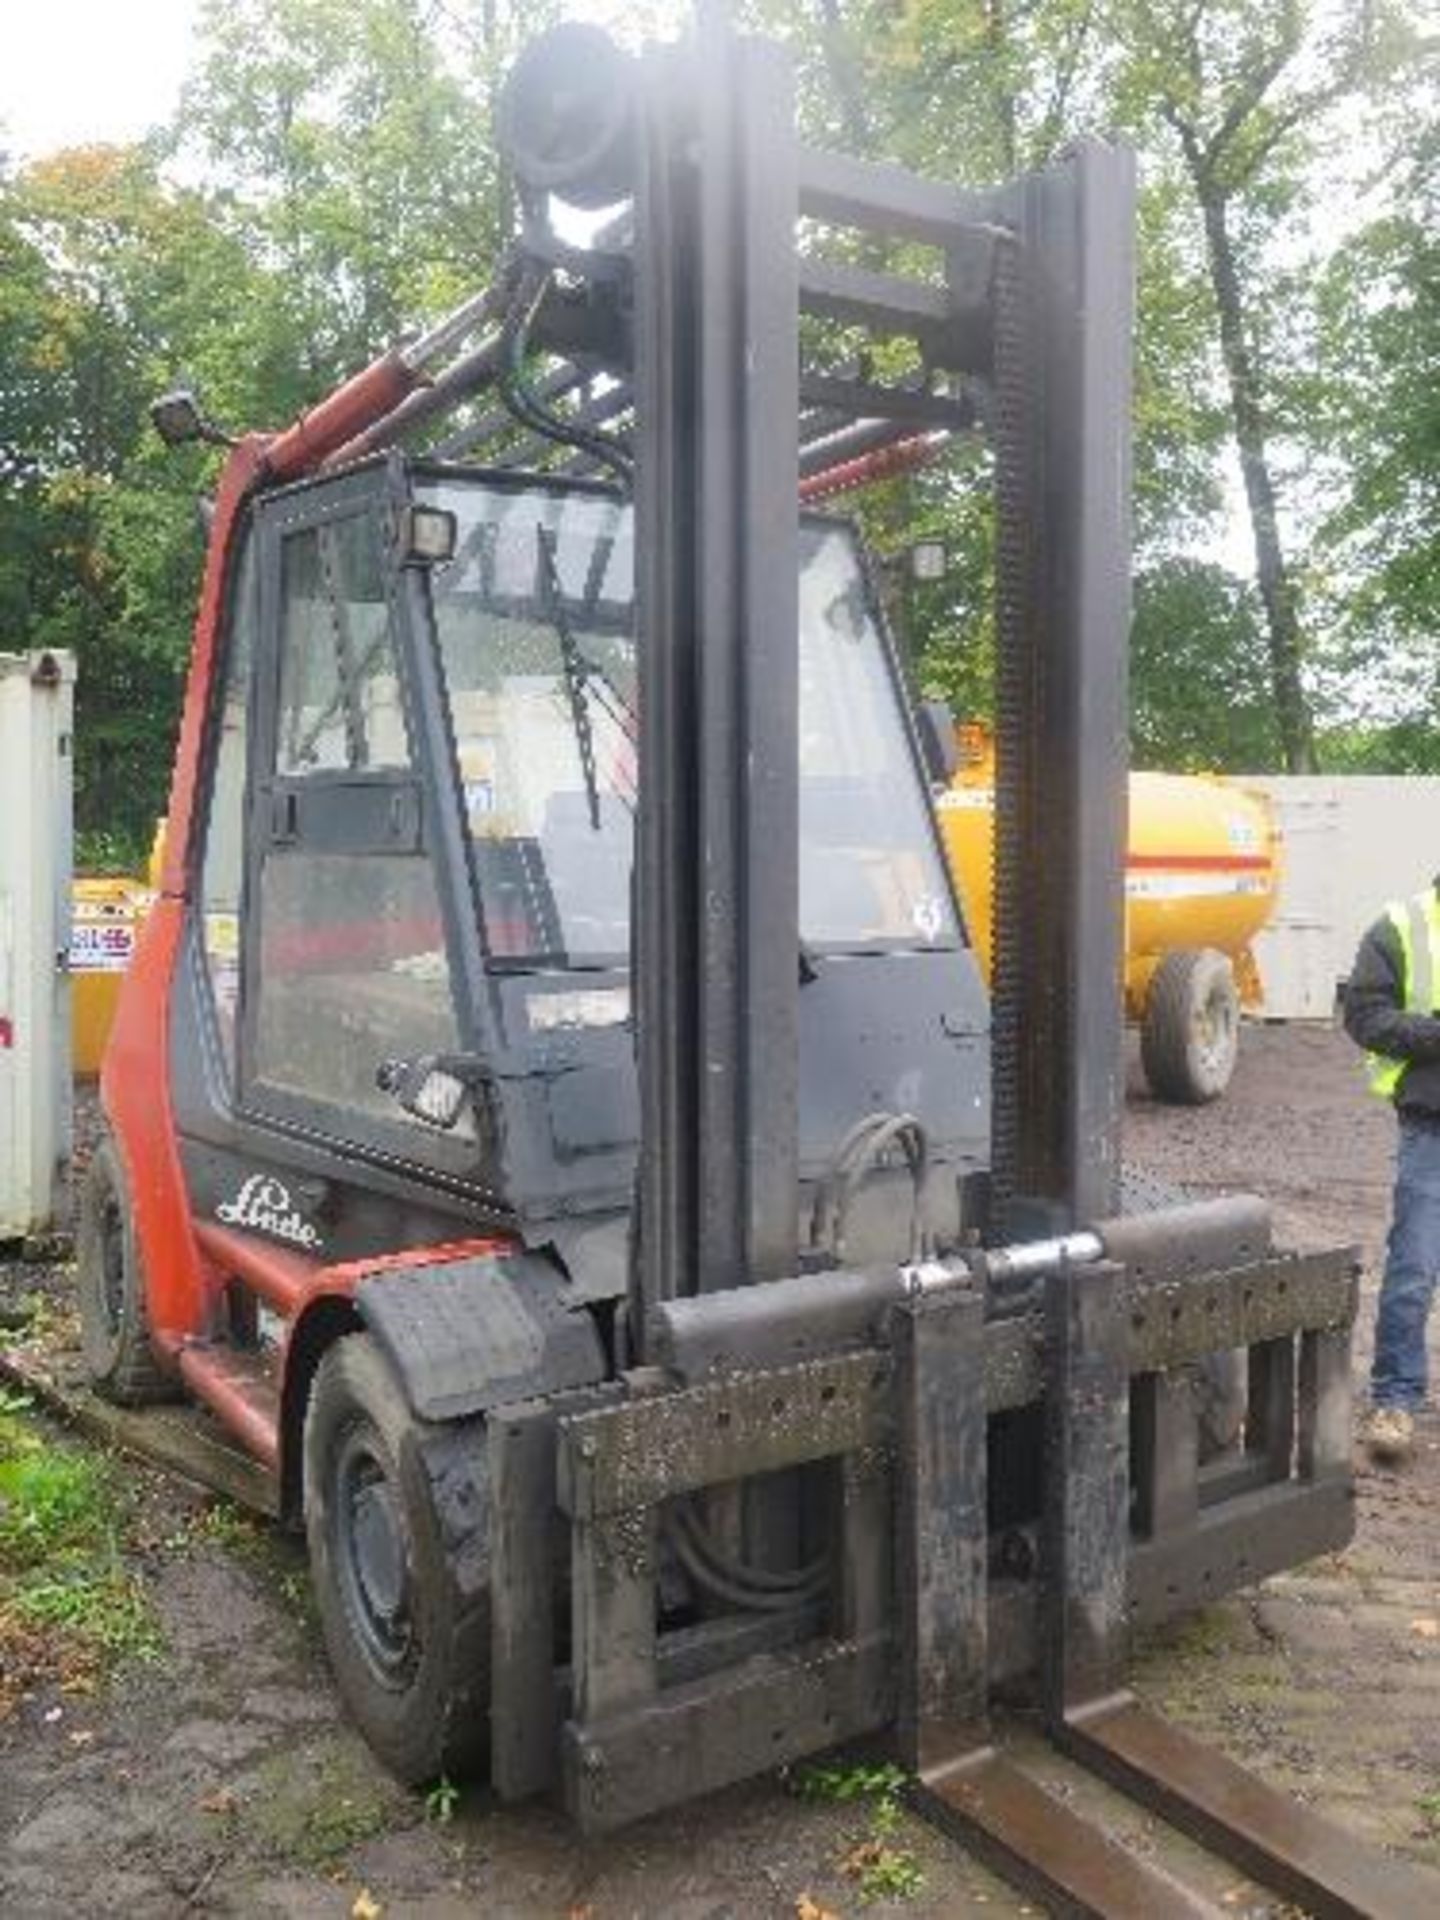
(1412, 1262)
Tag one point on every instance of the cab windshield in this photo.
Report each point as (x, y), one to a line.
(535, 621)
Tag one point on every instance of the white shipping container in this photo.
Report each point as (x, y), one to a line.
(1350, 844)
(36, 791)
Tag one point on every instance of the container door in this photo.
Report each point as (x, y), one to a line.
(1299, 951)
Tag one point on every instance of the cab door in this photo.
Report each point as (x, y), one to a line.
(352, 929)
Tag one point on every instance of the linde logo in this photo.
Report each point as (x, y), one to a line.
(264, 1204)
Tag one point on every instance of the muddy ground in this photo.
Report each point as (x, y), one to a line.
(217, 1778)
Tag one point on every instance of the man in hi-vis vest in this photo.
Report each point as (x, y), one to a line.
(1392, 1008)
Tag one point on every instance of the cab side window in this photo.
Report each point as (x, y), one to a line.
(340, 705)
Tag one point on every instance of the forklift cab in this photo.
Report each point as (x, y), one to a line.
(414, 901)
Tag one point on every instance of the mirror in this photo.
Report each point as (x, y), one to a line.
(179, 418)
(433, 1088)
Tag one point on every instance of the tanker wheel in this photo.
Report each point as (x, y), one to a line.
(1191, 1032)
(397, 1522)
(114, 1323)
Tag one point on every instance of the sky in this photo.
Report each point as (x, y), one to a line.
(79, 71)
(76, 72)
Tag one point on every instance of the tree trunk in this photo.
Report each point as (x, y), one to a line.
(847, 80)
(1277, 591)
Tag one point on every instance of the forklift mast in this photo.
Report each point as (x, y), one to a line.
(702, 1332)
(1035, 315)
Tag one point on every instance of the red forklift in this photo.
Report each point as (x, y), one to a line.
(555, 1122)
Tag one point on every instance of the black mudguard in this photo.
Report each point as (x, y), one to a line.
(468, 1335)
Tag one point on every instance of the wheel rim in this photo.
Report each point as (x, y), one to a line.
(1215, 1033)
(112, 1268)
(371, 1551)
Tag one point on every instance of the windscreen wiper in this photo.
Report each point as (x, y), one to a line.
(577, 668)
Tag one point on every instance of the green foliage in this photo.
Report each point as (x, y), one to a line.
(1376, 403)
(105, 1609)
(99, 550)
(1402, 746)
(350, 193)
(843, 1784)
(354, 146)
(888, 1873)
(115, 851)
(442, 1802)
(50, 1503)
(1199, 694)
(880, 1869)
(68, 1603)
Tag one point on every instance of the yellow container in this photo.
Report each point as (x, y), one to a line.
(105, 917)
(1201, 865)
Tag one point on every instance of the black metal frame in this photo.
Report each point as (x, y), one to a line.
(923, 1620)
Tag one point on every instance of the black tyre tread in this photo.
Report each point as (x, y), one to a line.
(442, 1727)
(123, 1366)
(1167, 1030)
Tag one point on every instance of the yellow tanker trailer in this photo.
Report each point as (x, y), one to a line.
(1201, 872)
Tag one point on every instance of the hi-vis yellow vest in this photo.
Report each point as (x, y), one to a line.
(1417, 922)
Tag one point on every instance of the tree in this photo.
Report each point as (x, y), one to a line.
(975, 90)
(1243, 89)
(355, 153)
(349, 193)
(1377, 408)
(110, 278)
(1232, 102)
(1200, 699)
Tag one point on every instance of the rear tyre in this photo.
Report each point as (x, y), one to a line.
(397, 1521)
(1191, 1032)
(114, 1323)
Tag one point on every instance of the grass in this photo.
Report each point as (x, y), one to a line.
(880, 1869)
(70, 1608)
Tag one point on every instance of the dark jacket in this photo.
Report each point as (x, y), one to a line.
(1375, 1017)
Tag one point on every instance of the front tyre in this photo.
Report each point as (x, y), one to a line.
(397, 1522)
(114, 1322)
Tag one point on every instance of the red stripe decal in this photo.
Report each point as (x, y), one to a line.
(1201, 862)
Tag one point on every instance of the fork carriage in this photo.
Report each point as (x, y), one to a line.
(944, 1579)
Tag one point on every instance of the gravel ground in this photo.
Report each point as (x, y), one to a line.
(220, 1780)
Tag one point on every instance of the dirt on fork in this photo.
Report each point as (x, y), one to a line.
(219, 1777)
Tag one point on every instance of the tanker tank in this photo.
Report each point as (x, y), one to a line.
(1202, 871)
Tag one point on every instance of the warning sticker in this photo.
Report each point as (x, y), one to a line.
(100, 946)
